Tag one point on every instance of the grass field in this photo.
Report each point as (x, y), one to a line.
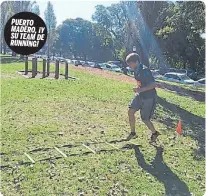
(190, 87)
(94, 109)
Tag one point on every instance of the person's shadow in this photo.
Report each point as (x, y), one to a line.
(173, 185)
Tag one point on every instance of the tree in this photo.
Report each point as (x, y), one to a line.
(102, 43)
(4, 17)
(164, 33)
(83, 39)
(180, 35)
(143, 18)
(9, 8)
(130, 23)
(113, 19)
(50, 20)
(35, 8)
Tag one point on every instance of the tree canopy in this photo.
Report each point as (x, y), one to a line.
(165, 33)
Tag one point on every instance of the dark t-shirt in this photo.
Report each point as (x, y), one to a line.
(144, 78)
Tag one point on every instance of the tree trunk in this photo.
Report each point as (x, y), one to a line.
(4, 47)
(184, 65)
(48, 45)
(2, 41)
(1, 49)
(21, 56)
(144, 57)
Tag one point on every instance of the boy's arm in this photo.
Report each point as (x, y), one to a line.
(146, 88)
(151, 83)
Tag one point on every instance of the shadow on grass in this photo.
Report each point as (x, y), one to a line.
(190, 121)
(197, 95)
(159, 169)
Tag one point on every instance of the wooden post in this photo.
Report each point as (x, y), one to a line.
(48, 66)
(34, 67)
(57, 70)
(66, 70)
(26, 65)
(44, 68)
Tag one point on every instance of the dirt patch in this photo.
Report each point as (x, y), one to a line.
(106, 74)
(197, 95)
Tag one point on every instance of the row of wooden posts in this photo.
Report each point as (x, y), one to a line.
(46, 68)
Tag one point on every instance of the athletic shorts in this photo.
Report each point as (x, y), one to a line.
(146, 106)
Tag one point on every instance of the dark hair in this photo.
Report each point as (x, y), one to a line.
(132, 57)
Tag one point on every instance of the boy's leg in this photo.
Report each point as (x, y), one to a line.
(150, 125)
(133, 107)
(146, 112)
(131, 114)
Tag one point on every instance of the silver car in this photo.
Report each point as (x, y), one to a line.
(177, 77)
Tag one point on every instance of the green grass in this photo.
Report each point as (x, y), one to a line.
(92, 108)
(187, 103)
(188, 87)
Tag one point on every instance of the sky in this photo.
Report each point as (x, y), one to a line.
(73, 9)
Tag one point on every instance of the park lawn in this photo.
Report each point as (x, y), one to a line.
(186, 86)
(90, 109)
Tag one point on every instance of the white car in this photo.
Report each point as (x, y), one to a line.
(103, 65)
(178, 77)
(114, 67)
(110, 67)
(156, 75)
(129, 70)
(69, 61)
(76, 62)
(200, 82)
(91, 64)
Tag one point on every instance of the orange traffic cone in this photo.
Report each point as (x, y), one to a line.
(179, 127)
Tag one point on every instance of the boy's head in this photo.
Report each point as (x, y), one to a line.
(133, 60)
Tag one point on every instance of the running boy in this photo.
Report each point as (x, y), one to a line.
(145, 96)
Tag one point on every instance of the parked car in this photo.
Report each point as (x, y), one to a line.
(59, 58)
(118, 63)
(188, 72)
(97, 65)
(178, 77)
(129, 70)
(91, 64)
(68, 61)
(200, 82)
(76, 62)
(37, 55)
(192, 74)
(103, 65)
(114, 68)
(156, 74)
(62, 60)
(42, 56)
(110, 67)
(162, 71)
(85, 64)
(82, 62)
